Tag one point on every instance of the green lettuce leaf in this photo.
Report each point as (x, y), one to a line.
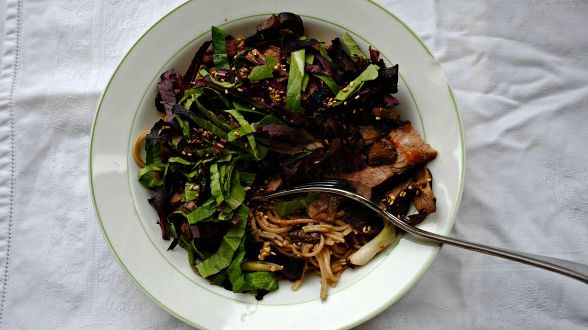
(202, 212)
(330, 82)
(222, 258)
(262, 280)
(370, 73)
(151, 176)
(351, 48)
(215, 183)
(295, 77)
(243, 282)
(219, 48)
(323, 52)
(246, 130)
(265, 71)
(191, 192)
(207, 125)
(288, 207)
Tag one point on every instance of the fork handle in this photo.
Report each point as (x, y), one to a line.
(572, 269)
(565, 267)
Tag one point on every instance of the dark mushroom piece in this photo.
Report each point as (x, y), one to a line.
(290, 24)
(325, 207)
(424, 198)
(384, 113)
(269, 26)
(370, 134)
(273, 184)
(363, 220)
(299, 236)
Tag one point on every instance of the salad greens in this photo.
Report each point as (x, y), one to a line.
(274, 107)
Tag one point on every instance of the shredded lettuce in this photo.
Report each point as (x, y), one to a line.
(222, 258)
(351, 48)
(264, 71)
(191, 192)
(201, 213)
(295, 77)
(288, 207)
(370, 73)
(243, 282)
(219, 48)
(151, 176)
(330, 82)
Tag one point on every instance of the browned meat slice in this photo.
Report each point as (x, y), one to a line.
(384, 113)
(324, 208)
(411, 149)
(424, 198)
(370, 134)
(381, 153)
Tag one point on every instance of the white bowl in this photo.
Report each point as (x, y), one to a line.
(129, 223)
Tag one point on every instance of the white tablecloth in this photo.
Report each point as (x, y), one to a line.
(520, 73)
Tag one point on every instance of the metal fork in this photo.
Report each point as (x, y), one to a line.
(565, 267)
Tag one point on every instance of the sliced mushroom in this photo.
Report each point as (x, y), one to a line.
(397, 200)
(424, 199)
(273, 184)
(370, 134)
(325, 207)
(298, 235)
(363, 221)
(290, 24)
(387, 114)
(269, 25)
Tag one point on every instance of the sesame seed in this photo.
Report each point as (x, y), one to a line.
(356, 97)
(378, 118)
(235, 133)
(226, 91)
(275, 67)
(344, 102)
(345, 89)
(351, 84)
(317, 161)
(246, 188)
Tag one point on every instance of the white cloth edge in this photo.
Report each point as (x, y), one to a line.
(8, 80)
